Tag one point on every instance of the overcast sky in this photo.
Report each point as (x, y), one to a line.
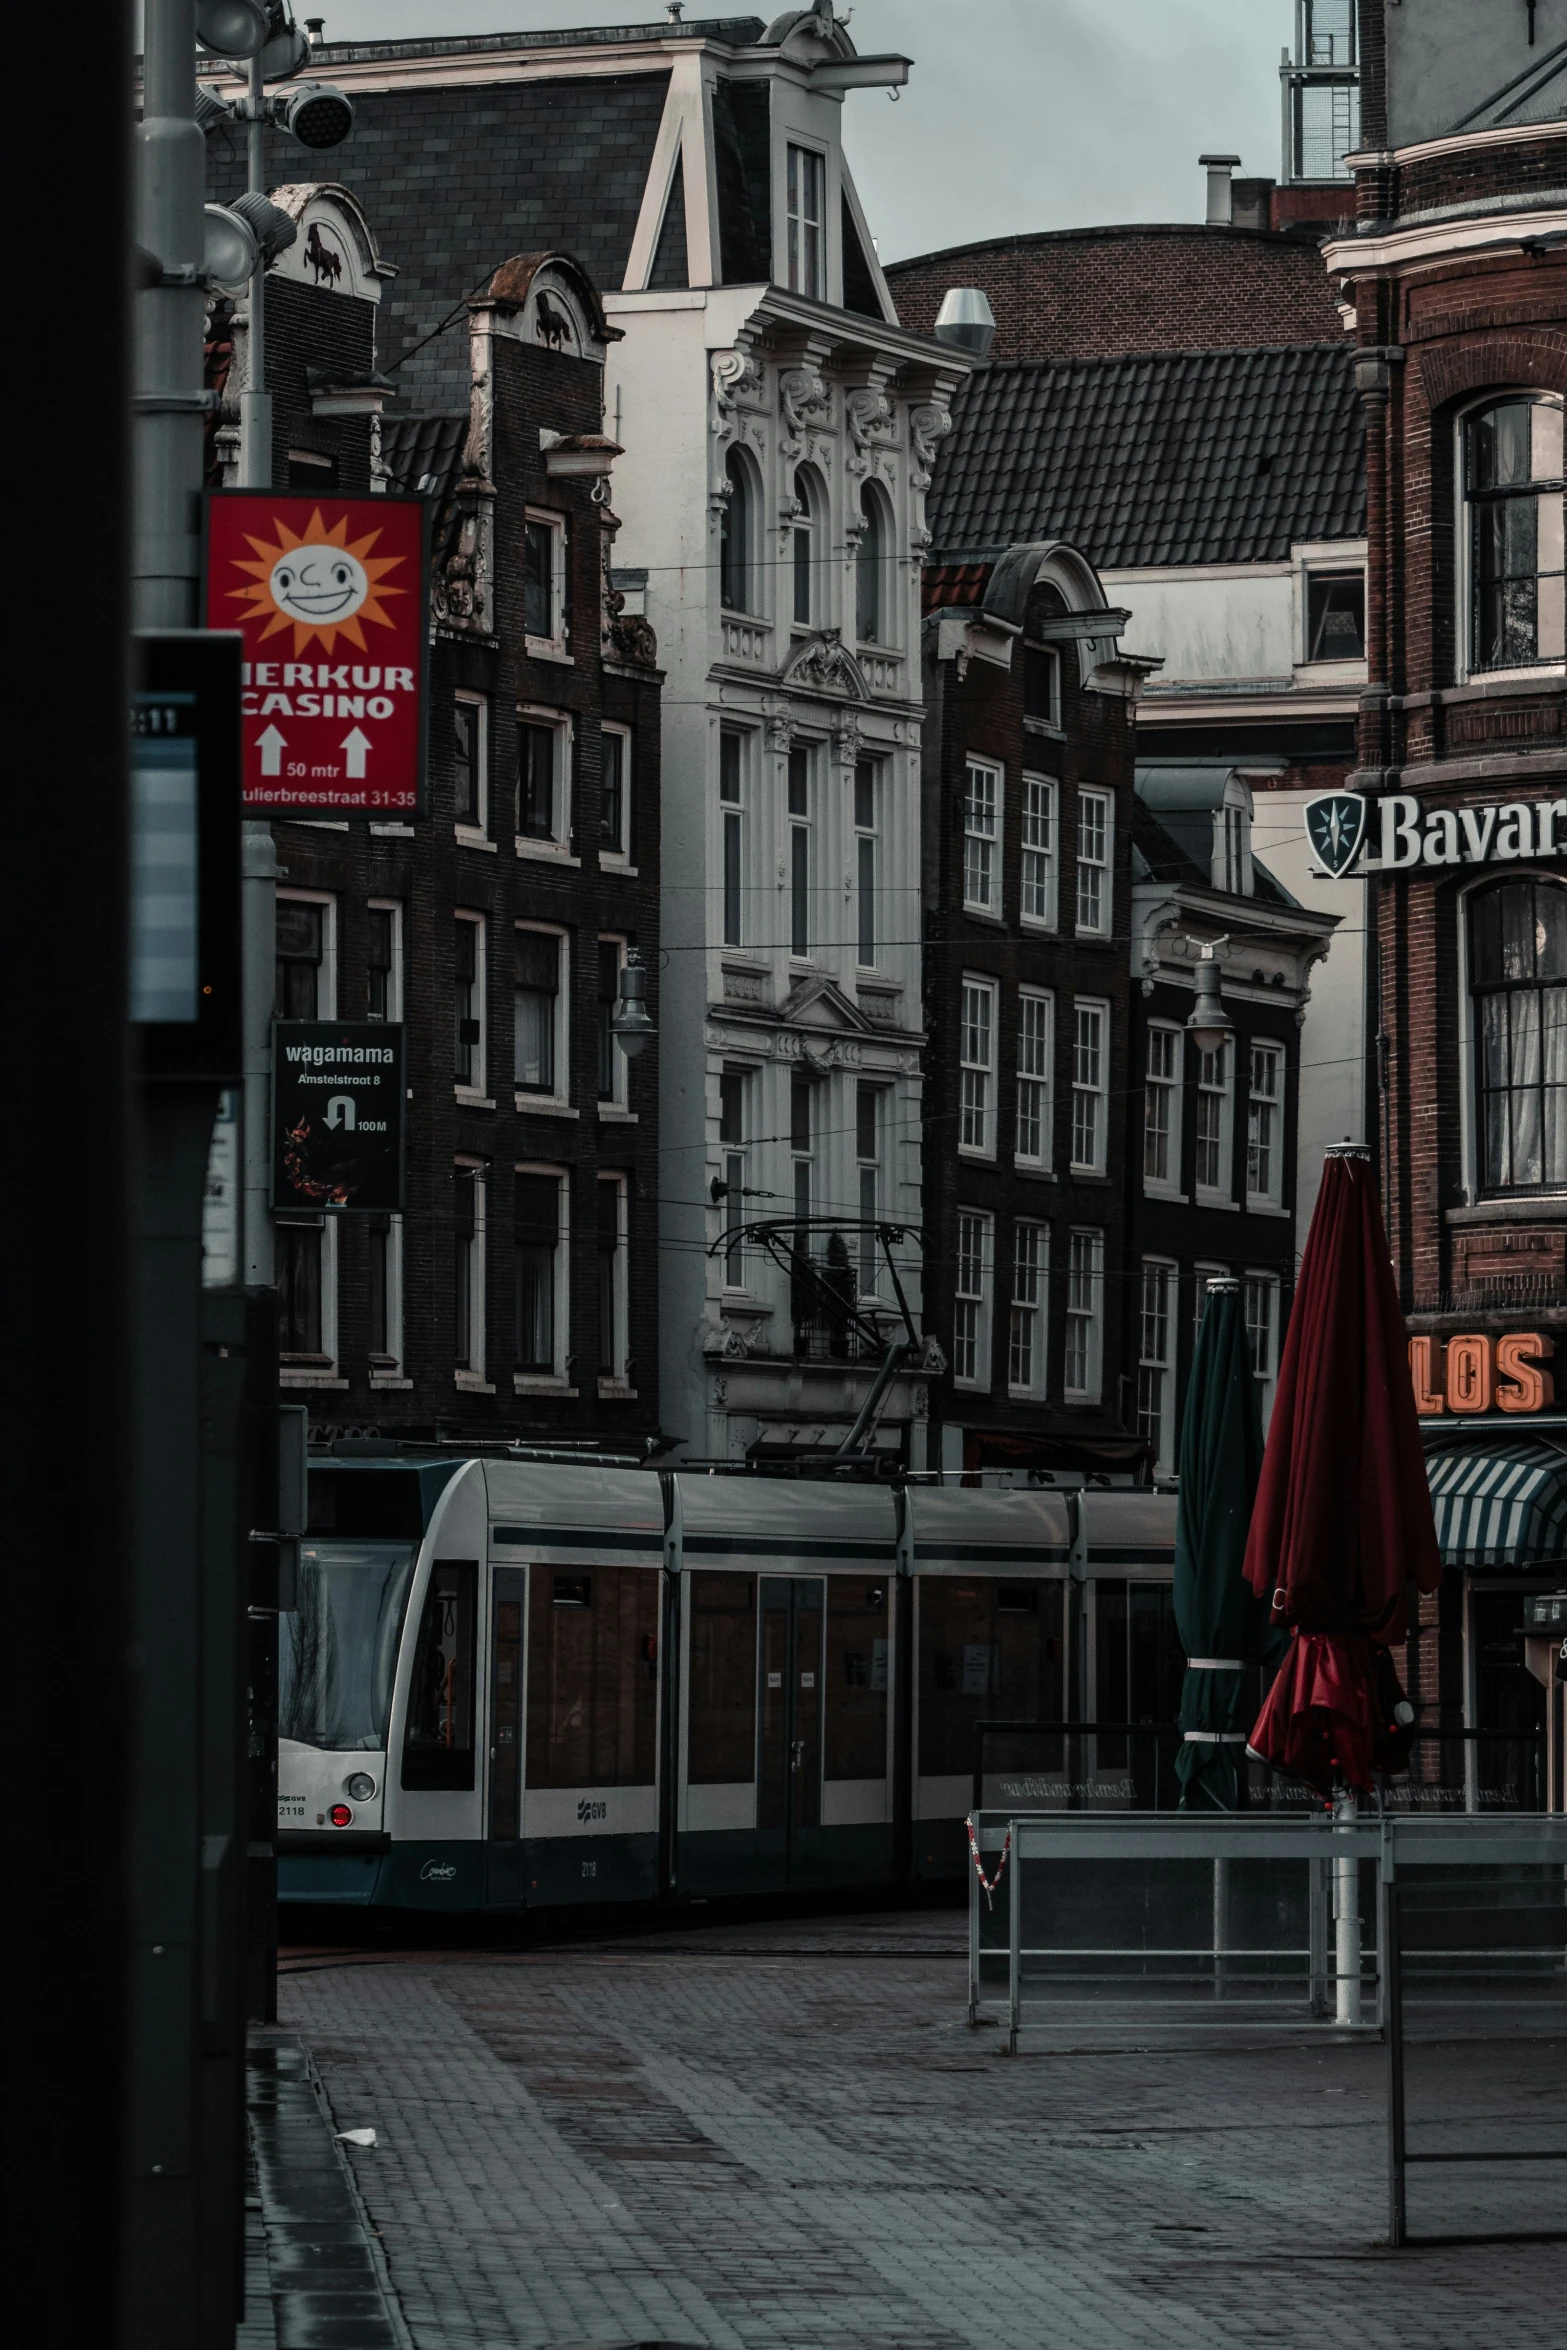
(1019, 114)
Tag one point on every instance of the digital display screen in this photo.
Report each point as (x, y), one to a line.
(165, 909)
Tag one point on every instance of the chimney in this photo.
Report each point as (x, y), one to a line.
(1221, 196)
(966, 320)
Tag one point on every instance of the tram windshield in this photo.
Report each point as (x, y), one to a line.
(337, 1654)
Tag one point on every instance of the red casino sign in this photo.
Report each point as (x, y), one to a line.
(331, 596)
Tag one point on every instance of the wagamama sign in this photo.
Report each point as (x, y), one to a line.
(1340, 824)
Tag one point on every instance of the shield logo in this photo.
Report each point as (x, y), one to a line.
(1336, 829)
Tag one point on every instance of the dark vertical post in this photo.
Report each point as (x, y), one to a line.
(63, 1380)
(1393, 2032)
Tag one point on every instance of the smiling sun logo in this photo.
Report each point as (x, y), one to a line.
(318, 582)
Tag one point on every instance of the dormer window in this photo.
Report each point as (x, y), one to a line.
(807, 210)
(1513, 499)
(1232, 840)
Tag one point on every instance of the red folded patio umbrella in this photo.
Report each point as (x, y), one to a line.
(1342, 1522)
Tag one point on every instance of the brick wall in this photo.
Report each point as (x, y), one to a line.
(1104, 293)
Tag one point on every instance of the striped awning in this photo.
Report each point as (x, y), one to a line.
(1502, 1506)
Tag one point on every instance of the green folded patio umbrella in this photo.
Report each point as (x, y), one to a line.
(1224, 1627)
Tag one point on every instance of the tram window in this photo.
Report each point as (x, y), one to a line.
(438, 1744)
(593, 1679)
(723, 1680)
(337, 1652)
(988, 1651)
(857, 1654)
(364, 1503)
(1139, 1666)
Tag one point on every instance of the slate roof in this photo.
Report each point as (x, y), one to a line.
(1183, 457)
(1158, 855)
(1538, 94)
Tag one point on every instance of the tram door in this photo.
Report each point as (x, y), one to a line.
(508, 1620)
(789, 1765)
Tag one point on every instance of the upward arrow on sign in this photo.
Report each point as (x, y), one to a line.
(272, 745)
(356, 745)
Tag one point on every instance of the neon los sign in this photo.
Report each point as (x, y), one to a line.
(1475, 1372)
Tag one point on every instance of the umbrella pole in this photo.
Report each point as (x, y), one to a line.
(1221, 1908)
(1346, 1917)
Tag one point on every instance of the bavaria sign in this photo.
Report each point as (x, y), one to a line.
(1340, 824)
(331, 597)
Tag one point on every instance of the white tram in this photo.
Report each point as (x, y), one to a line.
(510, 1684)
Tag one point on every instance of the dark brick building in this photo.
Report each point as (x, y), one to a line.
(1026, 862)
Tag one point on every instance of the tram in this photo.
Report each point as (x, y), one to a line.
(511, 1684)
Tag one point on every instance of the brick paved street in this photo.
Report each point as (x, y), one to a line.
(785, 2134)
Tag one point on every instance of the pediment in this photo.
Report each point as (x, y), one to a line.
(823, 664)
(821, 1003)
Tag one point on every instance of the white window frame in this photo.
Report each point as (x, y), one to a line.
(1091, 1081)
(977, 1035)
(1463, 569)
(555, 1381)
(797, 222)
(868, 1172)
(972, 1283)
(1170, 1086)
(557, 1104)
(811, 503)
(472, 1376)
(1267, 1197)
(1257, 1284)
(555, 847)
(614, 1107)
(1164, 1325)
(734, 1161)
(326, 983)
(1032, 722)
(556, 646)
(1085, 1315)
(1230, 867)
(320, 1370)
(1036, 1078)
(474, 832)
(1222, 1193)
(1030, 1298)
(1202, 1274)
(617, 1381)
(1039, 876)
(1329, 563)
(477, 1095)
(394, 981)
(867, 856)
(1093, 796)
(618, 860)
(803, 823)
(732, 824)
(982, 835)
(386, 1370)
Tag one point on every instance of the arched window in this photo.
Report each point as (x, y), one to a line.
(1513, 502)
(736, 536)
(809, 508)
(1518, 982)
(870, 573)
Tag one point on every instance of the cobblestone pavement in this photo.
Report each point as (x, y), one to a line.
(787, 2135)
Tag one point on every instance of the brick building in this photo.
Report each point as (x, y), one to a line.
(517, 1295)
(1459, 288)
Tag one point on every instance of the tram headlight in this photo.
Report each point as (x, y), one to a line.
(340, 1814)
(361, 1786)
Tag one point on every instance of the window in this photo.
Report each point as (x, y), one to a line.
(543, 778)
(1202, 1275)
(1042, 686)
(299, 1253)
(868, 1101)
(470, 754)
(1513, 489)
(384, 961)
(1330, 32)
(614, 792)
(1261, 1291)
(800, 1137)
(1036, 1046)
(544, 582)
(737, 533)
(1518, 979)
(977, 1068)
(1030, 1280)
(468, 1050)
(870, 567)
(982, 838)
(1335, 615)
(809, 528)
(1085, 1280)
(611, 1060)
(807, 213)
(438, 1741)
(612, 1364)
(1038, 894)
(1156, 1363)
(1090, 1087)
(539, 1007)
(386, 1292)
(729, 764)
(722, 1680)
(799, 850)
(310, 474)
(857, 1659)
(1265, 1127)
(1095, 840)
(298, 993)
(732, 1137)
(1162, 1109)
(539, 1215)
(468, 1269)
(867, 781)
(1214, 1174)
(592, 1677)
(971, 1304)
(1230, 860)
